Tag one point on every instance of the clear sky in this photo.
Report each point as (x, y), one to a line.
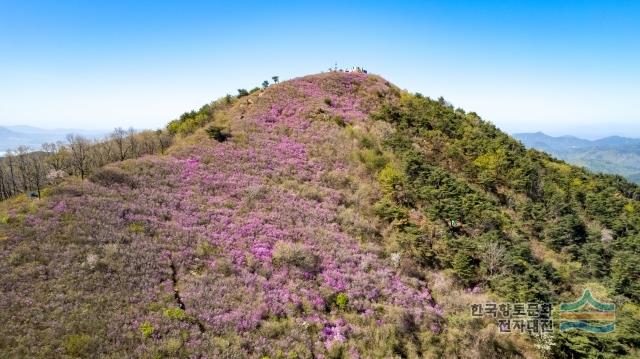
(556, 66)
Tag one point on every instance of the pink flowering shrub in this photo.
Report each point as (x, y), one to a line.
(221, 249)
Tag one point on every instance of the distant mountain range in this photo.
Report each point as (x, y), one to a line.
(614, 154)
(13, 136)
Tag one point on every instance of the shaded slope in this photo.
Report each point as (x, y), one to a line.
(511, 221)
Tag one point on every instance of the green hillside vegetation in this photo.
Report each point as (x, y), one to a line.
(453, 166)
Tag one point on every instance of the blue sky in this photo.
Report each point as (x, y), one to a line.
(555, 66)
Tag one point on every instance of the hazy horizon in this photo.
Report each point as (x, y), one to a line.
(524, 66)
(592, 132)
(578, 133)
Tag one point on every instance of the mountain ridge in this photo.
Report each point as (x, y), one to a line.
(331, 215)
(612, 154)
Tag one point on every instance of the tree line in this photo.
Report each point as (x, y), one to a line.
(28, 170)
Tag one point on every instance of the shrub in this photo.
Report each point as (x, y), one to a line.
(391, 179)
(22, 253)
(225, 267)
(339, 120)
(567, 230)
(108, 176)
(463, 268)
(136, 228)
(373, 159)
(328, 101)
(204, 249)
(171, 347)
(296, 255)
(242, 93)
(146, 329)
(387, 209)
(191, 121)
(175, 313)
(79, 345)
(217, 133)
(625, 271)
(342, 300)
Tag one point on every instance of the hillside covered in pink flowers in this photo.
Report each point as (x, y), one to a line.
(338, 217)
(219, 249)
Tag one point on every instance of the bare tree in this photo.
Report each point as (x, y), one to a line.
(12, 177)
(56, 154)
(492, 255)
(23, 170)
(23, 165)
(49, 148)
(119, 137)
(133, 142)
(37, 172)
(102, 153)
(80, 158)
(148, 143)
(5, 191)
(164, 140)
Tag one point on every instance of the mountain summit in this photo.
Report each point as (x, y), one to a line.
(331, 215)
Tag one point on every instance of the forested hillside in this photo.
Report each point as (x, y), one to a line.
(329, 216)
